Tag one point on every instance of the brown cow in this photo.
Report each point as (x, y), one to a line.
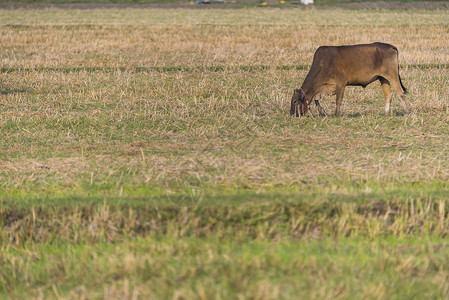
(335, 67)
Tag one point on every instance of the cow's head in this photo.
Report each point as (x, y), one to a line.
(299, 105)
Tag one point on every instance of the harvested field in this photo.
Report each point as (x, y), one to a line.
(149, 153)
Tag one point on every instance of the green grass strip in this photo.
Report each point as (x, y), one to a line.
(276, 218)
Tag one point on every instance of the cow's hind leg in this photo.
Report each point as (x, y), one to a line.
(386, 88)
(397, 87)
(340, 91)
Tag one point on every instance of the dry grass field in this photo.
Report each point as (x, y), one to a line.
(149, 153)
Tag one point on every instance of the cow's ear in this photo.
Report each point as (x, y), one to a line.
(302, 97)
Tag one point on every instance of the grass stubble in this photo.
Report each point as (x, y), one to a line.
(189, 179)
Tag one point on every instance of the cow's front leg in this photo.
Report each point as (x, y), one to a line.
(320, 109)
(340, 92)
(311, 112)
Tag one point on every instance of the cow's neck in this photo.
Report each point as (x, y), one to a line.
(309, 90)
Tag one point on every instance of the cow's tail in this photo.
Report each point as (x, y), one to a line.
(399, 76)
(402, 85)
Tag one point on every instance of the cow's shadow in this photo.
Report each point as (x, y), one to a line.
(354, 115)
(366, 114)
(6, 91)
(399, 114)
(344, 115)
